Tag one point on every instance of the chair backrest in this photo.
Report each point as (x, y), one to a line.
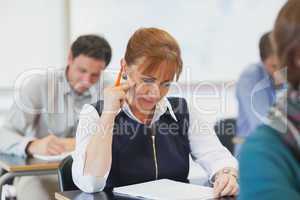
(65, 175)
(226, 131)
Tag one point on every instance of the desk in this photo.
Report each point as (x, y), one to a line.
(78, 195)
(19, 166)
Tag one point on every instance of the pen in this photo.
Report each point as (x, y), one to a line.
(118, 80)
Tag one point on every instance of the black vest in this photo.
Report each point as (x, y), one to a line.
(136, 160)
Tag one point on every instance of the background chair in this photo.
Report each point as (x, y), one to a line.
(65, 175)
(226, 132)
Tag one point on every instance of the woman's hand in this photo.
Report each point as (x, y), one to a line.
(99, 149)
(114, 97)
(226, 183)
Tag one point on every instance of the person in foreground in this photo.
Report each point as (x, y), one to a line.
(138, 135)
(270, 158)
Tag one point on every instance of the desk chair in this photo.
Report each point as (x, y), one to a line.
(65, 175)
(226, 131)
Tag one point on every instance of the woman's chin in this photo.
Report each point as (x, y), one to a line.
(146, 106)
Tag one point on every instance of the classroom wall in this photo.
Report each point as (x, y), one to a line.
(34, 34)
(218, 37)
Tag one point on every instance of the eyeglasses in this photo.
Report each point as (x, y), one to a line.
(150, 81)
(145, 80)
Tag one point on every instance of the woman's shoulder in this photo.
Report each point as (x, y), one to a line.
(264, 145)
(179, 105)
(266, 161)
(176, 100)
(98, 106)
(264, 133)
(261, 139)
(89, 111)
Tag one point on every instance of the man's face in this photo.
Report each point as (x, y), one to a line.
(273, 68)
(83, 72)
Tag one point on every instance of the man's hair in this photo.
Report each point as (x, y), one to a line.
(93, 46)
(265, 46)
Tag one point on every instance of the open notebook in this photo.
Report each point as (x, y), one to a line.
(166, 189)
(52, 158)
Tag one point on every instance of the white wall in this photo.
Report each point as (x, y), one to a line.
(33, 35)
(218, 37)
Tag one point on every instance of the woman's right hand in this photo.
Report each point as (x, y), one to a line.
(99, 148)
(113, 98)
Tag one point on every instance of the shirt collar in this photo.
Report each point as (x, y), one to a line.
(67, 86)
(265, 72)
(161, 108)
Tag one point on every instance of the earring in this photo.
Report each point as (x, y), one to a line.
(124, 76)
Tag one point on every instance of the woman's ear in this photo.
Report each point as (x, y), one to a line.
(127, 72)
(124, 69)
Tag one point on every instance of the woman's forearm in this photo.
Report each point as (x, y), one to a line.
(98, 152)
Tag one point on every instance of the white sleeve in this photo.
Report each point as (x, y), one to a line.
(206, 149)
(87, 126)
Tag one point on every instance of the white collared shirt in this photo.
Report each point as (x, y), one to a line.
(46, 103)
(206, 149)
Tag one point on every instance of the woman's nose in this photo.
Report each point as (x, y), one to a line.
(154, 91)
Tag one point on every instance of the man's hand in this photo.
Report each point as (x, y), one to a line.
(69, 144)
(49, 145)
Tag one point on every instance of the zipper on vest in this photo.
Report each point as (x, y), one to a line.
(154, 156)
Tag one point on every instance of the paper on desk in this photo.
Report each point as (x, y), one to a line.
(52, 158)
(165, 189)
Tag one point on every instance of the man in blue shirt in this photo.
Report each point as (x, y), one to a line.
(256, 90)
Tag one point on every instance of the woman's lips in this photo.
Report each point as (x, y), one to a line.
(148, 101)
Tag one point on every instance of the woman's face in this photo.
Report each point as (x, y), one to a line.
(149, 87)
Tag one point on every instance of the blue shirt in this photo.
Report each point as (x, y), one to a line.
(255, 92)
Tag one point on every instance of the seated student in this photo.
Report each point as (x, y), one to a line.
(43, 119)
(270, 158)
(151, 136)
(256, 89)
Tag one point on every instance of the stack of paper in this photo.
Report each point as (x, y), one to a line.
(165, 189)
(52, 158)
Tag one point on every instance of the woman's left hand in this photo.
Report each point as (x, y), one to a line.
(225, 184)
